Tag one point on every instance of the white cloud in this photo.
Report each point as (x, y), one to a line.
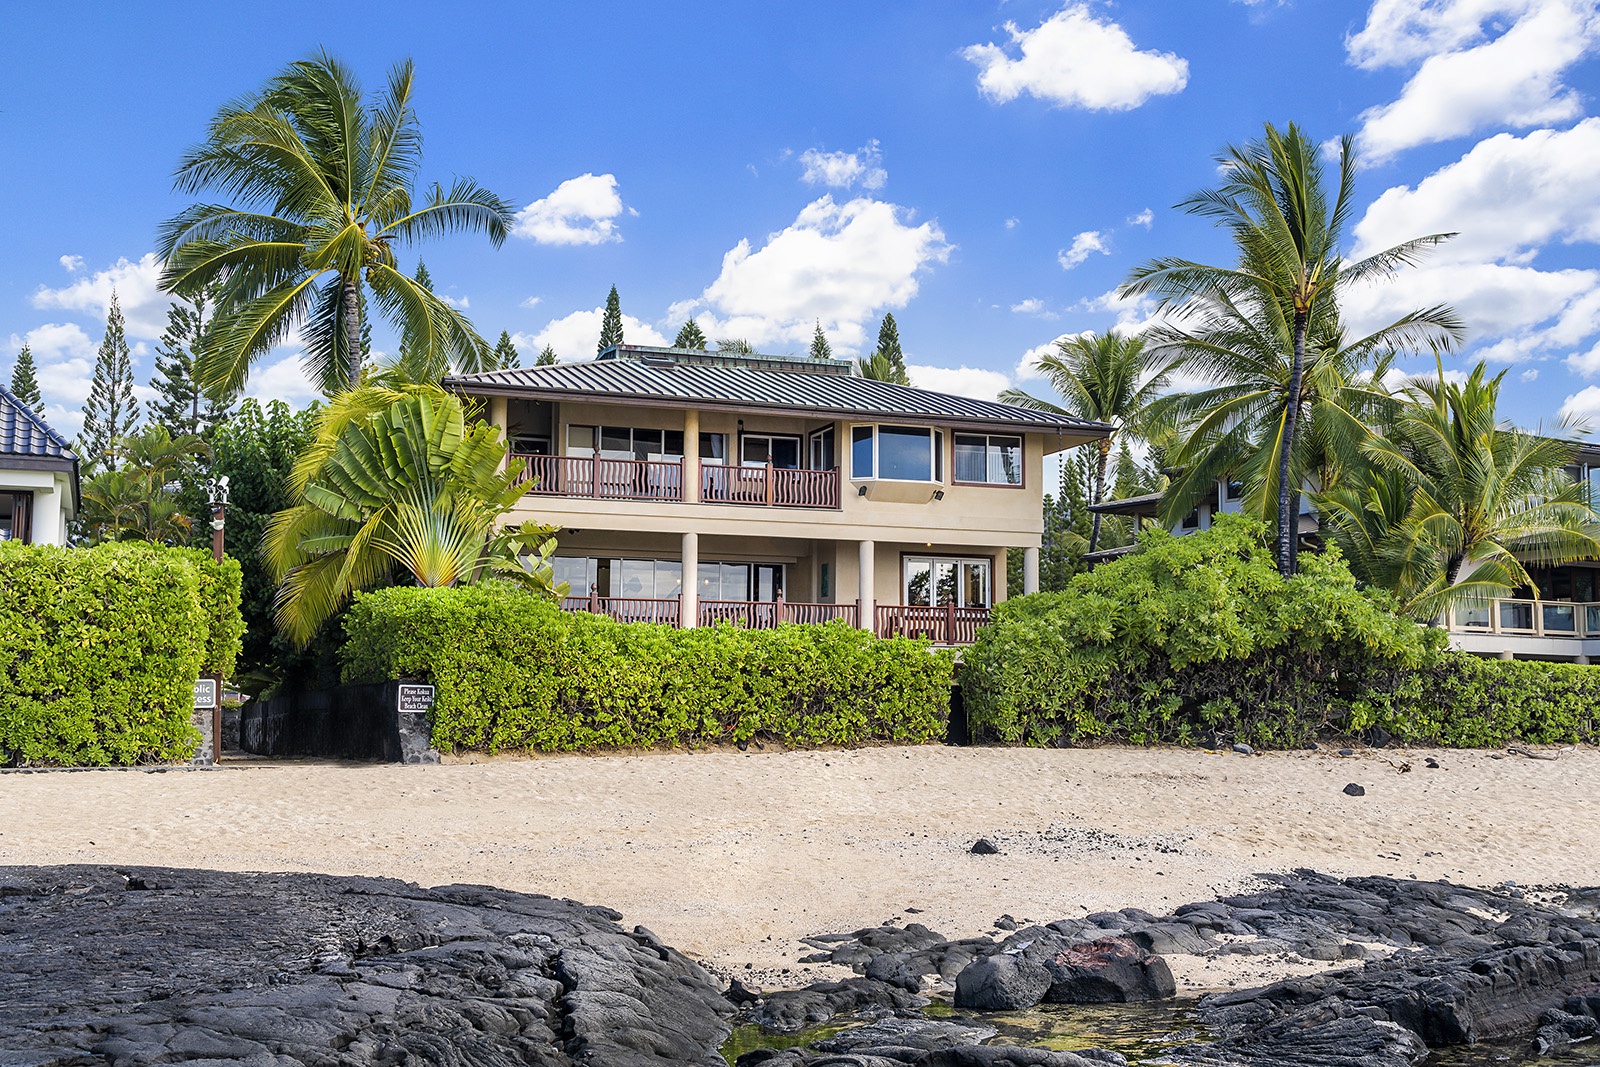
(456, 301)
(1012, 224)
(137, 284)
(1480, 64)
(581, 211)
(1074, 59)
(575, 336)
(64, 355)
(1134, 314)
(531, 302)
(1530, 375)
(283, 377)
(73, 264)
(960, 381)
(1083, 245)
(1582, 406)
(1513, 310)
(841, 170)
(840, 264)
(1145, 218)
(1030, 306)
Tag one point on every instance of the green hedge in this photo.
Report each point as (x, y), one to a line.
(102, 647)
(514, 672)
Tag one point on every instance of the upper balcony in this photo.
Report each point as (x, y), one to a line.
(602, 478)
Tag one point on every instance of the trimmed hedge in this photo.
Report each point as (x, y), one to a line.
(516, 672)
(1199, 636)
(102, 647)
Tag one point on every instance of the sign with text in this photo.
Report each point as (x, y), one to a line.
(416, 698)
(205, 693)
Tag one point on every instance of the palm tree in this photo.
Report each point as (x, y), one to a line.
(878, 367)
(323, 189)
(1276, 203)
(398, 480)
(1104, 378)
(139, 500)
(1455, 505)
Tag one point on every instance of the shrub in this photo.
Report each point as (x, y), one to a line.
(102, 647)
(1189, 636)
(516, 672)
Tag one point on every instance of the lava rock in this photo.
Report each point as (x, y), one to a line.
(984, 847)
(1002, 983)
(1354, 790)
(1243, 749)
(1112, 970)
(789, 1011)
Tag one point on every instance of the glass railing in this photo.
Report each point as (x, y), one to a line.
(1541, 618)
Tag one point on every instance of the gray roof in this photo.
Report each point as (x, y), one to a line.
(675, 378)
(26, 440)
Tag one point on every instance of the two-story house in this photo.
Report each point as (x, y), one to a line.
(691, 487)
(38, 477)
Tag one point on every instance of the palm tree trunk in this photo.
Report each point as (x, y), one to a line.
(352, 330)
(1286, 532)
(1099, 489)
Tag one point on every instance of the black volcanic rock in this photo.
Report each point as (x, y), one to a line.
(167, 966)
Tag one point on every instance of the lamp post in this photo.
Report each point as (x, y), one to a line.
(217, 494)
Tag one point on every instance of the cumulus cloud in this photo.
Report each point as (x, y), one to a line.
(575, 336)
(72, 264)
(842, 170)
(838, 263)
(1513, 310)
(1074, 59)
(282, 375)
(1030, 306)
(1145, 218)
(1083, 245)
(976, 382)
(1582, 406)
(1479, 64)
(137, 284)
(461, 302)
(581, 211)
(1012, 224)
(1530, 375)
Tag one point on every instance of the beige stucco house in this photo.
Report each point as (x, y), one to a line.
(692, 486)
(38, 477)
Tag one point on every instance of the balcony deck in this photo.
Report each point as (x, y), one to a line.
(1558, 629)
(947, 625)
(602, 478)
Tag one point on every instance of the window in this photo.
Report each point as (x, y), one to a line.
(625, 442)
(822, 457)
(714, 446)
(646, 579)
(936, 581)
(740, 581)
(897, 453)
(1191, 521)
(988, 459)
(757, 450)
(1232, 491)
(14, 521)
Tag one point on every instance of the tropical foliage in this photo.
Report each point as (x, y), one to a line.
(322, 189)
(140, 499)
(1452, 506)
(398, 482)
(1250, 327)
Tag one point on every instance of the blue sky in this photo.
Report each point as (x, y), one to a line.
(987, 172)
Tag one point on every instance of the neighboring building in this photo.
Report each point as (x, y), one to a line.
(1563, 623)
(38, 477)
(782, 488)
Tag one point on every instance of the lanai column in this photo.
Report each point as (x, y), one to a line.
(691, 456)
(1030, 570)
(689, 595)
(497, 417)
(867, 605)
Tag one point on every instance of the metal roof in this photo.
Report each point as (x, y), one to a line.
(661, 379)
(25, 434)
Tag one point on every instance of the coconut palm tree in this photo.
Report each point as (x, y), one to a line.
(878, 367)
(1287, 225)
(1106, 378)
(398, 482)
(1456, 505)
(322, 189)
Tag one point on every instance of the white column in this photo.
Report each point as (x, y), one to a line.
(1507, 655)
(46, 517)
(691, 456)
(1030, 570)
(689, 598)
(864, 581)
(497, 417)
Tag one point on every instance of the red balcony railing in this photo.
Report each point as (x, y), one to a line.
(731, 484)
(765, 614)
(606, 479)
(627, 608)
(945, 624)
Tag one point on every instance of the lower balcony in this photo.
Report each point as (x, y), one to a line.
(1529, 618)
(942, 625)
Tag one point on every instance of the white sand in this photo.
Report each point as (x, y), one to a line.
(734, 856)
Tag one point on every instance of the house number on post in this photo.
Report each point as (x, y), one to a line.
(416, 698)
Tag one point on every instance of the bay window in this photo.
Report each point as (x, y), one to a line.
(897, 453)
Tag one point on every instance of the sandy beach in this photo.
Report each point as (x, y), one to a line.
(733, 857)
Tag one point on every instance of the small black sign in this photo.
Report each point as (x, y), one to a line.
(415, 698)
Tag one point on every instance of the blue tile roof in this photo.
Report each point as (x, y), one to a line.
(24, 433)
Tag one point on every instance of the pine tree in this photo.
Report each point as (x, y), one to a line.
(547, 357)
(611, 324)
(181, 405)
(820, 348)
(690, 336)
(25, 380)
(110, 412)
(889, 348)
(416, 365)
(422, 276)
(505, 353)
